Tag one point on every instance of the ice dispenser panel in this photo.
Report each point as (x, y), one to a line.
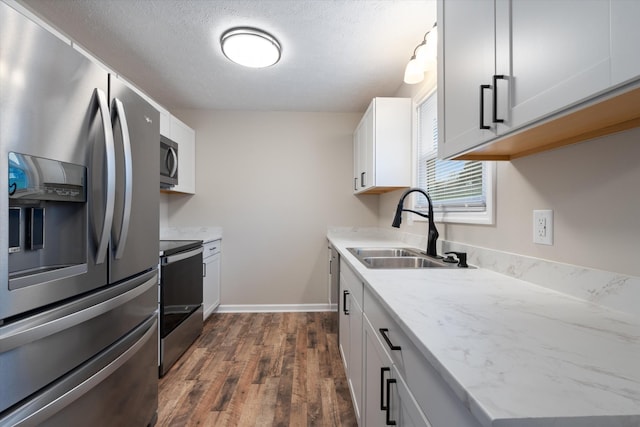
(47, 219)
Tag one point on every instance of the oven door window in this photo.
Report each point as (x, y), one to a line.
(180, 292)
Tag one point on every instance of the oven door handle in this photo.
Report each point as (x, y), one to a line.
(166, 260)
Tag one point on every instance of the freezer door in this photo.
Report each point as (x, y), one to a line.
(49, 109)
(135, 231)
(118, 387)
(36, 351)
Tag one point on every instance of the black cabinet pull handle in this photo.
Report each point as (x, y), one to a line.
(383, 407)
(389, 421)
(496, 77)
(362, 183)
(344, 302)
(482, 88)
(355, 184)
(384, 332)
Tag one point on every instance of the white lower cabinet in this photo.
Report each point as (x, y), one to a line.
(433, 396)
(388, 400)
(350, 330)
(211, 277)
(390, 380)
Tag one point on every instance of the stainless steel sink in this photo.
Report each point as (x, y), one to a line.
(404, 262)
(398, 258)
(382, 252)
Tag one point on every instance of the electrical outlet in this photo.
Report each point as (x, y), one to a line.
(543, 227)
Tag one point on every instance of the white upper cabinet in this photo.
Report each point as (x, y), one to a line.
(625, 34)
(165, 123)
(553, 54)
(507, 67)
(382, 146)
(464, 74)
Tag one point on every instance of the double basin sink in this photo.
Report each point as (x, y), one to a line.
(399, 258)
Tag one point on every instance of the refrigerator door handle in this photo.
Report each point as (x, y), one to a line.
(30, 332)
(128, 176)
(110, 179)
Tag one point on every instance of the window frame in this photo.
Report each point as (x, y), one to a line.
(485, 217)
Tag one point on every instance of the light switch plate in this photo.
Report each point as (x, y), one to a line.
(543, 227)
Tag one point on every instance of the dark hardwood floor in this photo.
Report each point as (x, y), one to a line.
(259, 369)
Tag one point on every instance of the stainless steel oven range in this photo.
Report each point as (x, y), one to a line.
(180, 298)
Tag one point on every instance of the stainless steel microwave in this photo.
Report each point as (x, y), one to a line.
(168, 162)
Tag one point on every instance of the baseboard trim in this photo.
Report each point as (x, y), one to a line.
(274, 308)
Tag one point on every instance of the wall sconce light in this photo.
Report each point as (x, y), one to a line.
(423, 58)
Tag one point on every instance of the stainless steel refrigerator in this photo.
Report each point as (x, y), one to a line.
(78, 238)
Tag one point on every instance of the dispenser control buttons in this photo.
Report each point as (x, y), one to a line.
(35, 229)
(15, 215)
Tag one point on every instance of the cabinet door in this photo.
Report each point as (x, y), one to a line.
(350, 329)
(355, 355)
(466, 61)
(343, 323)
(625, 33)
(367, 149)
(402, 405)
(377, 369)
(356, 157)
(558, 52)
(186, 139)
(211, 284)
(387, 397)
(364, 152)
(165, 123)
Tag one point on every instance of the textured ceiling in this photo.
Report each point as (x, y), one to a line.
(337, 54)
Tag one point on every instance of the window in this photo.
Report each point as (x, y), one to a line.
(461, 191)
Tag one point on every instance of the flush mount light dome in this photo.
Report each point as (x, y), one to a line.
(250, 47)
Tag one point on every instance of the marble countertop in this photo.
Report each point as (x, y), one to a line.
(204, 233)
(515, 353)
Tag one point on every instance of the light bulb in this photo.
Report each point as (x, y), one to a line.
(414, 72)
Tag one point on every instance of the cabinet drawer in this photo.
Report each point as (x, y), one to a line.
(211, 248)
(351, 282)
(436, 399)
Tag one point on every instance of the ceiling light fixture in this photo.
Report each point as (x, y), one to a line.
(423, 58)
(250, 47)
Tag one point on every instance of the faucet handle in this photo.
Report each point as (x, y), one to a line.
(462, 258)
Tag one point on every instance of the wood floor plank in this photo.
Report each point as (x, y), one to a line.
(298, 411)
(313, 389)
(268, 397)
(285, 387)
(265, 369)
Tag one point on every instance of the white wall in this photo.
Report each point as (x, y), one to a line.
(274, 181)
(593, 187)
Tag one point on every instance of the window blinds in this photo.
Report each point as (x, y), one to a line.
(453, 185)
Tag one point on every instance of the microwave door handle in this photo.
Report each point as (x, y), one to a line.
(128, 176)
(174, 163)
(110, 154)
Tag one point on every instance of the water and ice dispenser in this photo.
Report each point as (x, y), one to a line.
(47, 217)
